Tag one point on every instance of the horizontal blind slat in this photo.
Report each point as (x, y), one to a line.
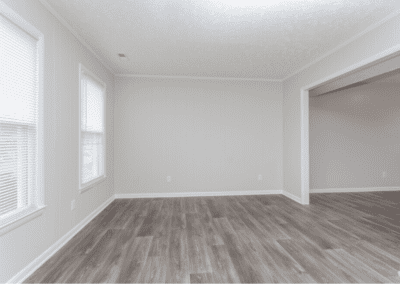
(8, 193)
(4, 201)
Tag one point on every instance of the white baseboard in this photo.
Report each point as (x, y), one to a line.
(362, 189)
(193, 194)
(291, 196)
(41, 259)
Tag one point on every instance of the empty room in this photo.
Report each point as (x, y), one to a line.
(199, 141)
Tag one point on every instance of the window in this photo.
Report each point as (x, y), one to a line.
(20, 128)
(92, 138)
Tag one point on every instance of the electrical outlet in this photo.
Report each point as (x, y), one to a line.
(384, 174)
(72, 204)
(168, 178)
(259, 177)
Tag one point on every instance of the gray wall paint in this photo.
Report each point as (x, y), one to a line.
(354, 138)
(372, 43)
(63, 53)
(208, 135)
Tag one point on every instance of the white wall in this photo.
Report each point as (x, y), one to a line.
(208, 135)
(355, 137)
(63, 53)
(378, 40)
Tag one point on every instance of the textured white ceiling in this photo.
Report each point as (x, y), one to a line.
(218, 38)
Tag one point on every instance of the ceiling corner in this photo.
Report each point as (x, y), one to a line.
(347, 42)
(76, 34)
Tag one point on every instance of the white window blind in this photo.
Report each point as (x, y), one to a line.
(19, 91)
(92, 128)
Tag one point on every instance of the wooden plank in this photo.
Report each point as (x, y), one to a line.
(394, 279)
(314, 261)
(88, 267)
(152, 219)
(179, 221)
(133, 260)
(120, 220)
(252, 224)
(212, 236)
(178, 263)
(197, 245)
(189, 204)
(161, 235)
(201, 278)
(114, 213)
(272, 230)
(356, 271)
(216, 205)
(247, 265)
(223, 269)
(154, 270)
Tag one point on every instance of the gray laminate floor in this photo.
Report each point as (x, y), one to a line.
(340, 237)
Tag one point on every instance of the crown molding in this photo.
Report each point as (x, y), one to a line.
(198, 78)
(76, 34)
(347, 42)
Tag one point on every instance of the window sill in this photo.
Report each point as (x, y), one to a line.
(30, 215)
(92, 184)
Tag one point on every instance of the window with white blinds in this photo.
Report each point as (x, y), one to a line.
(19, 98)
(92, 139)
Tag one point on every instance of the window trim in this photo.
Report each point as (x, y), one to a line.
(86, 186)
(28, 216)
(30, 213)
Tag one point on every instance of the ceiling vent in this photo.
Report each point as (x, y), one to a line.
(122, 57)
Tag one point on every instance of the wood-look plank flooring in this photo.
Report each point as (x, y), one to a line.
(339, 237)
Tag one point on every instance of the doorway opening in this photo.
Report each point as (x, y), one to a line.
(373, 69)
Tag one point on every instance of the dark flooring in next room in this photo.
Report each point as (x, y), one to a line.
(340, 237)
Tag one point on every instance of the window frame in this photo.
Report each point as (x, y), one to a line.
(31, 212)
(83, 187)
